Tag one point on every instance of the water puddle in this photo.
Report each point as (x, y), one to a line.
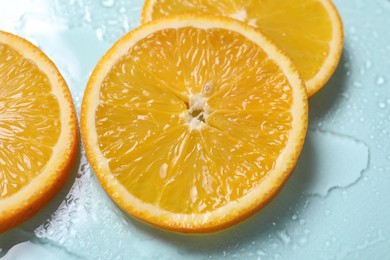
(330, 161)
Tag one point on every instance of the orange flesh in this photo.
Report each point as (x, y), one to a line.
(302, 28)
(27, 134)
(191, 119)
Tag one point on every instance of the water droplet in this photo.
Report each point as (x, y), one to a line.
(100, 34)
(382, 105)
(302, 241)
(368, 64)
(285, 237)
(261, 252)
(357, 84)
(294, 217)
(108, 3)
(380, 81)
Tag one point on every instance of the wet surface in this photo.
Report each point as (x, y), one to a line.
(334, 206)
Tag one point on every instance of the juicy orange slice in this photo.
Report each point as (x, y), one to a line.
(193, 123)
(310, 31)
(38, 130)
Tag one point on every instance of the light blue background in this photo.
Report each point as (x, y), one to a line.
(335, 206)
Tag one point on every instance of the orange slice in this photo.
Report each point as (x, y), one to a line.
(38, 130)
(310, 31)
(193, 123)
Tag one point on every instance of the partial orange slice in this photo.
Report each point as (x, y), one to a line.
(193, 123)
(310, 31)
(38, 130)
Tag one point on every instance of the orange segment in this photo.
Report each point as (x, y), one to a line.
(193, 123)
(310, 31)
(37, 130)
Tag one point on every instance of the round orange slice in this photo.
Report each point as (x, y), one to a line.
(193, 123)
(310, 31)
(38, 130)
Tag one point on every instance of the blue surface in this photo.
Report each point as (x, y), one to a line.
(335, 206)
